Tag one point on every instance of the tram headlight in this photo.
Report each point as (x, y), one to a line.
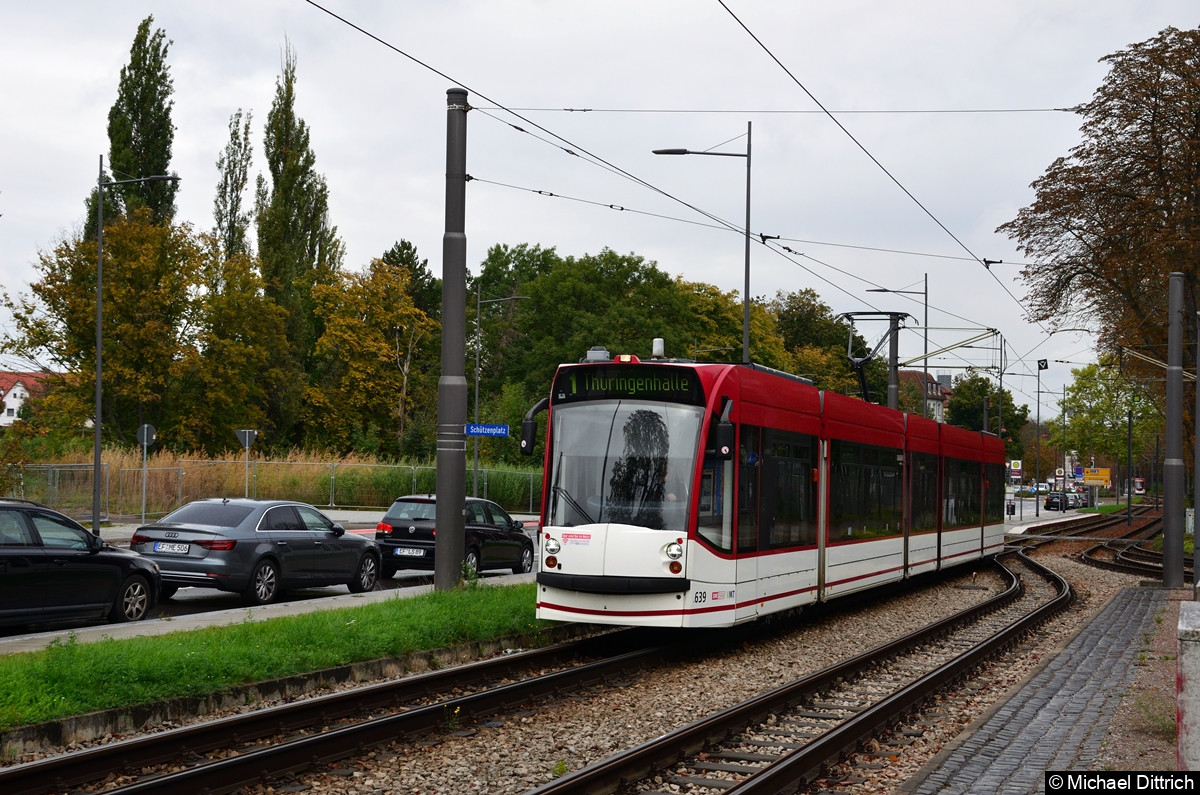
(552, 546)
(674, 550)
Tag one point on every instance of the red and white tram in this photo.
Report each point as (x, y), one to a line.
(679, 494)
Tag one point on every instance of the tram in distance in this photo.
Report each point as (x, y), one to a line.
(682, 494)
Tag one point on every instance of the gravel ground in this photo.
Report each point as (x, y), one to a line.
(520, 752)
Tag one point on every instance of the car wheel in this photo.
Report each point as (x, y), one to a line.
(526, 564)
(167, 591)
(366, 576)
(472, 560)
(133, 600)
(264, 584)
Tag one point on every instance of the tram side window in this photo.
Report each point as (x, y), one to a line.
(710, 504)
(864, 492)
(994, 493)
(749, 458)
(924, 477)
(962, 484)
(787, 514)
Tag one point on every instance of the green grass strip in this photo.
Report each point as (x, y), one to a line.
(71, 678)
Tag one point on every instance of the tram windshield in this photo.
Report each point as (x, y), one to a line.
(629, 462)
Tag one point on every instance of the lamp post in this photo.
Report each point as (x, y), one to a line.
(101, 184)
(1037, 464)
(746, 286)
(925, 363)
(479, 302)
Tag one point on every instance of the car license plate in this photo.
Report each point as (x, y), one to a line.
(407, 552)
(170, 548)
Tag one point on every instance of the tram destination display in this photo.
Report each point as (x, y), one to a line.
(668, 384)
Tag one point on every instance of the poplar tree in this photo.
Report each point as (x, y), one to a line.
(232, 217)
(298, 248)
(140, 131)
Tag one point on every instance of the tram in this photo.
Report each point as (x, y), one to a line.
(681, 494)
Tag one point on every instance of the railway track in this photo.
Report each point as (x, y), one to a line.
(782, 739)
(226, 754)
(229, 754)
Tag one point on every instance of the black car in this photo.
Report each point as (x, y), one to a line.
(53, 569)
(256, 548)
(493, 539)
(1056, 501)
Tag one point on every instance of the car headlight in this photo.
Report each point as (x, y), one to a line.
(675, 550)
(552, 546)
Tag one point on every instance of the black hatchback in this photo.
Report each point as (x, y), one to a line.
(493, 539)
(52, 569)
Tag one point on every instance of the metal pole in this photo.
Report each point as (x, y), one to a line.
(893, 362)
(746, 288)
(1129, 471)
(1037, 462)
(99, 352)
(475, 439)
(925, 367)
(144, 483)
(1172, 466)
(452, 385)
(1196, 455)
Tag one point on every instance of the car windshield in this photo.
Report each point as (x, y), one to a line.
(623, 461)
(214, 514)
(412, 511)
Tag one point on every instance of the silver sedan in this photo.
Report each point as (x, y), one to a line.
(256, 548)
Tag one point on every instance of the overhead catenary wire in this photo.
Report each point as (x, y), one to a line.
(574, 150)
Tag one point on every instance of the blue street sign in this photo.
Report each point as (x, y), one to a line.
(486, 430)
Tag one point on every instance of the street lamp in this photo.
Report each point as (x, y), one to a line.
(746, 286)
(479, 302)
(100, 186)
(925, 367)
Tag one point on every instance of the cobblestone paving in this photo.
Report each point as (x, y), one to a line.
(1059, 718)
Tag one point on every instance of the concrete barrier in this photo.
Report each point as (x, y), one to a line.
(1187, 688)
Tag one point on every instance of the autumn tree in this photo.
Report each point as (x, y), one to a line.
(298, 248)
(363, 401)
(147, 309)
(1114, 217)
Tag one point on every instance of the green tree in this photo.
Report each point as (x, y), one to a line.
(232, 219)
(298, 248)
(424, 288)
(1097, 404)
(140, 130)
(229, 363)
(966, 410)
(819, 341)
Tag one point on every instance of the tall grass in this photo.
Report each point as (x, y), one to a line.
(171, 480)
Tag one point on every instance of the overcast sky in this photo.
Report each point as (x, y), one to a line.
(949, 110)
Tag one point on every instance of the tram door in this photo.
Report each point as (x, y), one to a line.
(749, 489)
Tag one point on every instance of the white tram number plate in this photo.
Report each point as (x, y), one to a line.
(407, 552)
(173, 549)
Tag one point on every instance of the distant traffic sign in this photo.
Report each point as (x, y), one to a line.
(486, 430)
(1096, 477)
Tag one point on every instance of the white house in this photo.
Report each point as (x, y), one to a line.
(15, 389)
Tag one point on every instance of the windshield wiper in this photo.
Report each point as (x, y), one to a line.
(559, 491)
